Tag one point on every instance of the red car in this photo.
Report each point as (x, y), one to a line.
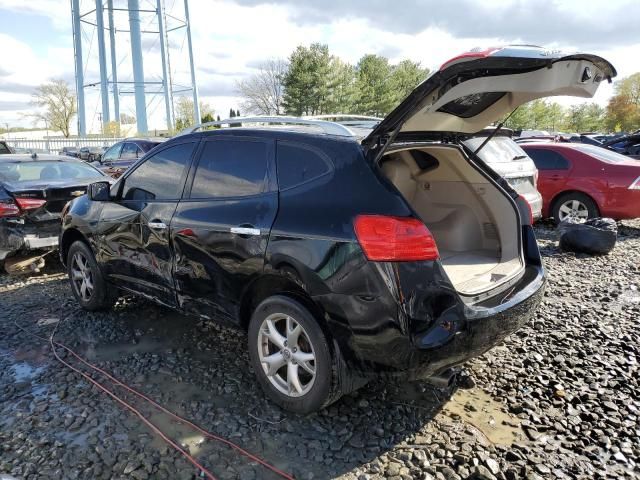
(584, 181)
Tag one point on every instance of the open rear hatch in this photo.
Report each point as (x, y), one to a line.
(475, 221)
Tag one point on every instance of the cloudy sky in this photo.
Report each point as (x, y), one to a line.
(232, 37)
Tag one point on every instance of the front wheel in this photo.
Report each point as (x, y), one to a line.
(291, 356)
(87, 283)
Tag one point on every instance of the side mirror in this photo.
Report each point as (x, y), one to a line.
(99, 191)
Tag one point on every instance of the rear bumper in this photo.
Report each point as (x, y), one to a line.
(418, 326)
(18, 238)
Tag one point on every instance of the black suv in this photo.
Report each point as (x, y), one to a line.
(401, 253)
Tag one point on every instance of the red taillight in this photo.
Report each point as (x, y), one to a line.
(8, 209)
(529, 208)
(394, 239)
(30, 203)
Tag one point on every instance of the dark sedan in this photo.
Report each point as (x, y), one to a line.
(33, 191)
(123, 154)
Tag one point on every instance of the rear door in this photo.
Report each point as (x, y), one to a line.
(134, 240)
(221, 228)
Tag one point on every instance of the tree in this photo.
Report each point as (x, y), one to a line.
(232, 113)
(126, 119)
(623, 110)
(217, 118)
(184, 113)
(306, 83)
(406, 76)
(585, 117)
(58, 102)
(374, 90)
(112, 129)
(342, 87)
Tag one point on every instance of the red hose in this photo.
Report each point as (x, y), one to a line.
(153, 427)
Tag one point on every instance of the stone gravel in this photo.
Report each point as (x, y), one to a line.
(558, 399)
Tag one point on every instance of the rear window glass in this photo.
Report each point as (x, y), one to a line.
(231, 168)
(497, 150)
(602, 154)
(471, 105)
(46, 171)
(548, 159)
(299, 164)
(3, 148)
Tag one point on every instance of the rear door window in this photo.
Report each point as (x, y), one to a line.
(130, 151)
(113, 153)
(161, 176)
(4, 149)
(548, 159)
(298, 163)
(231, 168)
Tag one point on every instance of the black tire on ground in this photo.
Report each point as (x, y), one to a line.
(325, 388)
(592, 208)
(102, 295)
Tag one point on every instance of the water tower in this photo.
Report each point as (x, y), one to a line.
(129, 27)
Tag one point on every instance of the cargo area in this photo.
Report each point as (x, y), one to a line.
(473, 222)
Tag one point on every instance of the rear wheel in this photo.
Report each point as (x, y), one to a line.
(574, 206)
(291, 356)
(87, 283)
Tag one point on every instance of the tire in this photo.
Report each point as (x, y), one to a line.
(582, 206)
(312, 391)
(96, 294)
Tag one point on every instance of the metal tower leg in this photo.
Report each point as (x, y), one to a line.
(114, 65)
(102, 59)
(138, 67)
(77, 47)
(165, 70)
(196, 104)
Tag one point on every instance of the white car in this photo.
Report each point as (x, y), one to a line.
(511, 162)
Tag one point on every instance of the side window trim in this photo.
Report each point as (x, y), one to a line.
(123, 180)
(311, 148)
(268, 183)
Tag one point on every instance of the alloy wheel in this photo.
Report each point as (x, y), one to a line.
(286, 355)
(574, 210)
(82, 276)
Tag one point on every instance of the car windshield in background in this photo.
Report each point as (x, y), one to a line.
(603, 154)
(497, 150)
(46, 171)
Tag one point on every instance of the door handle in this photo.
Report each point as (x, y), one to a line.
(245, 230)
(157, 225)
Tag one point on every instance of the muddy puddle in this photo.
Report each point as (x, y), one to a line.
(486, 416)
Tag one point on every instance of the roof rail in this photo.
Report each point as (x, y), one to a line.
(330, 128)
(345, 116)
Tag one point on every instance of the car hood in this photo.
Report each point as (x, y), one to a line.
(478, 88)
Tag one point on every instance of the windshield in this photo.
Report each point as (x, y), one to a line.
(46, 171)
(497, 150)
(603, 154)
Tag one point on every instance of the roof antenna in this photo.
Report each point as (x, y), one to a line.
(493, 134)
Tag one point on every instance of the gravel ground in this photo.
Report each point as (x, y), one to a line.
(559, 399)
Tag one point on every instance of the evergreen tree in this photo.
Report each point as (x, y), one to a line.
(374, 90)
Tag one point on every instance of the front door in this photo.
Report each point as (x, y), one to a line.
(134, 245)
(221, 228)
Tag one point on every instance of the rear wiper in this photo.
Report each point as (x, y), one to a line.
(519, 157)
(493, 134)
